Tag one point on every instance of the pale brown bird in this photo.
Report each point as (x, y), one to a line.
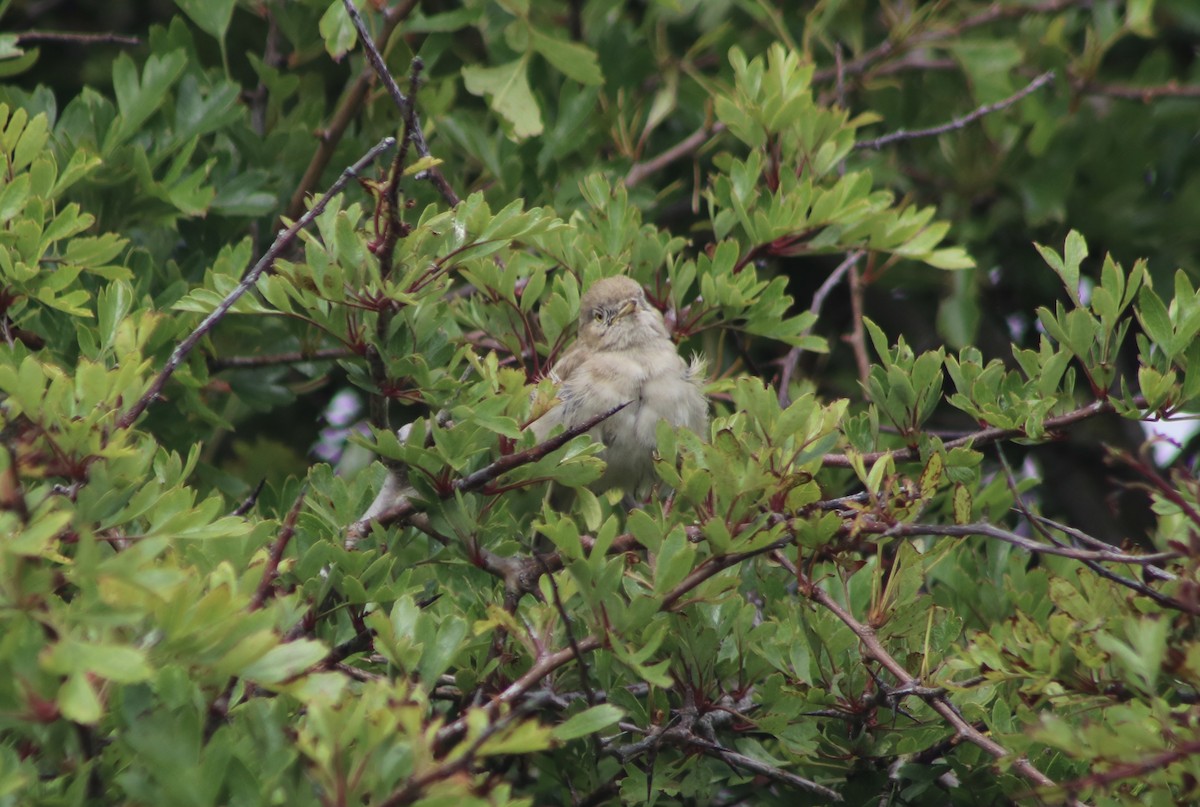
(623, 353)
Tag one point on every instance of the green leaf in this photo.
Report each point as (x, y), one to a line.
(589, 721)
(285, 661)
(78, 701)
(138, 100)
(507, 89)
(211, 15)
(337, 29)
(570, 58)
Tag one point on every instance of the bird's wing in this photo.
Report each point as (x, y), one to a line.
(588, 388)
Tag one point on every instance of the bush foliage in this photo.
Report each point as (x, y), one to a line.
(941, 259)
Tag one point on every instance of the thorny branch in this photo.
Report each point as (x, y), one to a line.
(907, 684)
(282, 241)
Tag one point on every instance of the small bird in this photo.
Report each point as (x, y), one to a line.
(623, 353)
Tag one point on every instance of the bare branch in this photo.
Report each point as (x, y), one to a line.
(818, 300)
(683, 148)
(218, 363)
(1009, 537)
(352, 101)
(745, 763)
(403, 103)
(960, 122)
(888, 48)
(29, 37)
(281, 242)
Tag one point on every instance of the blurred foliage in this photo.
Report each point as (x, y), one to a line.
(910, 563)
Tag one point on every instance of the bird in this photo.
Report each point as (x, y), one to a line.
(623, 353)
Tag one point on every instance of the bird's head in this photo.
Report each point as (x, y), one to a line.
(614, 315)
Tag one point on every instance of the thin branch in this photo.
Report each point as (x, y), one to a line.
(502, 465)
(858, 336)
(413, 787)
(683, 148)
(1044, 526)
(28, 37)
(248, 503)
(818, 300)
(888, 48)
(1009, 537)
(403, 103)
(1145, 94)
(1136, 769)
(545, 665)
(281, 243)
(218, 363)
(347, 111)
(936, 698)
(983, 436)
(1083, 537)
(736, 760)
(271, 570)
(960, 122)
(716, 564)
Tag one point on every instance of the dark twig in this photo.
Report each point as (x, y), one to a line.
(1045, 525)
(960, 122)
(28, 37)
(683, 148)
(750, 764)
(248, 504)
(271, 570)
(403, 103)
(281, 243)
(546, 664)
(818, 300)
(217, 363)
(1137, 769)
(414, 786)
(351, 103)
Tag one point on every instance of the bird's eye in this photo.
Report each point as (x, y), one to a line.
(598, 316)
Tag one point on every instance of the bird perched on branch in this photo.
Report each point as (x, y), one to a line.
(623, 353)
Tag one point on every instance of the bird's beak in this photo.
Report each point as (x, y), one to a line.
(625, 310)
